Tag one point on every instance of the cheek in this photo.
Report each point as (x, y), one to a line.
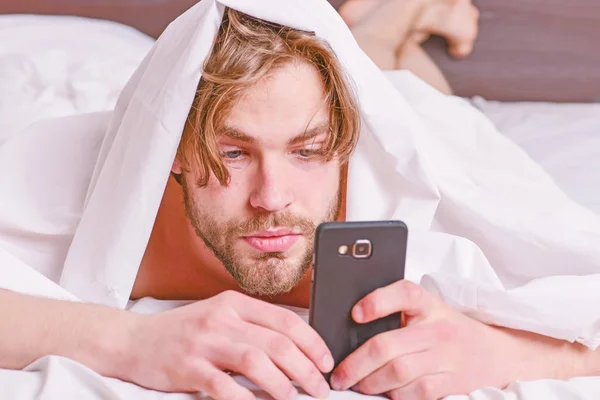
(214, 198)
(318, 187)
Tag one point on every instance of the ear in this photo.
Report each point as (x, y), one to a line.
(176, 171)
(176, 168)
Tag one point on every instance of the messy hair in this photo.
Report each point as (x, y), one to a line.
(245, 50)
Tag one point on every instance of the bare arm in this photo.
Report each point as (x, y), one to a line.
(564, 360)
(93, 335)
(188, 349)
(413, 58)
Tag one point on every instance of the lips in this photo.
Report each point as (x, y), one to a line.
(272, 241)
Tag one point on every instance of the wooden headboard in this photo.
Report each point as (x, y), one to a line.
(148, 16)
(537, 50)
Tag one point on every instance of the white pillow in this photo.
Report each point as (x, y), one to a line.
(53, 66)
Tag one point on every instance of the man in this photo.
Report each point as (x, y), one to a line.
(262, 161)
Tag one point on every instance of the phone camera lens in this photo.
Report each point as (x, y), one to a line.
(361, 249)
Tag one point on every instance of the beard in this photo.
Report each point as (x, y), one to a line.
(262, 274)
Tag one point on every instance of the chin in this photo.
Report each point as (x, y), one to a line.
(271, 277)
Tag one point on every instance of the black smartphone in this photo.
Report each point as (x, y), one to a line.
(351, 260)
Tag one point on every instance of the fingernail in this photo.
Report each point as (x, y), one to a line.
(335, 383)
(327, 363)
(358, 313)
(293, 394)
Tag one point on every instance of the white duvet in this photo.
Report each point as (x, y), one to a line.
(67, 83)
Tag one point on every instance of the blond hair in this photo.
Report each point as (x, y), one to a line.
(245, 50)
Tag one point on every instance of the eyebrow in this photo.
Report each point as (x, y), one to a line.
(309, 134)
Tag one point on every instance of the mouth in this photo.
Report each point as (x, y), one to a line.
(272, 241)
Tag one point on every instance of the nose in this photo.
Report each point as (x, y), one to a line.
(272, 192)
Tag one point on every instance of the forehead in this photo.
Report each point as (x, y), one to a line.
(288, 101)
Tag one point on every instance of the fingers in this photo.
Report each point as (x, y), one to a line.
(400, 372)
(286, 355)
(255, 365)
(460, 50)
(219, 385)
(288, 324)
(379, 351)
(420, 37)
(429, 387)
(463, 45)
(402, 296)
(353, 11)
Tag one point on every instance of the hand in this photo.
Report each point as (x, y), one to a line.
(438, 353)
(455, 20)
(190, 349)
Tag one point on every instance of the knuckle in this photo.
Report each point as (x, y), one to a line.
(186, 373)
(314, 375)
(281, 347)
(344, 372)
(377, 348)
(214, 321)
(370, 304)
(189, 349)
(290, 321)
(216, 383)
(284, 388)
(252, 358)
(210, 324)
(311, 376)
(400, 370)
(396, 395)
(227, 297)
(314, 345)
(189, 340)
(426, 389)
(413, 292)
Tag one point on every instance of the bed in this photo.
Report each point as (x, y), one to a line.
(534, 72)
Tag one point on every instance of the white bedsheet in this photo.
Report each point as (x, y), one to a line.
(58, 66)
(54, 378)
(57, 82)
(563, 138)
(57, 378)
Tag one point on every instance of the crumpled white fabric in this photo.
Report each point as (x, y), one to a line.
(52, 378)
(62, 65)
(489, 230)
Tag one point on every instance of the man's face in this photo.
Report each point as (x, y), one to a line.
(261, 226)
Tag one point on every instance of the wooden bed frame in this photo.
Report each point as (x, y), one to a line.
(527, 50)
(537, 50)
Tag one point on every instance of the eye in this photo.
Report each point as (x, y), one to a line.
(306, 153)
(311, 152)
(232, 155)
